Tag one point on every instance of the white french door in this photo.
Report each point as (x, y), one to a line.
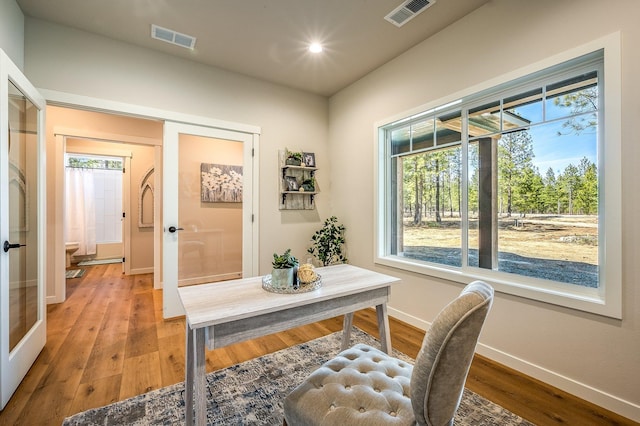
(22, 206)
(209, 198)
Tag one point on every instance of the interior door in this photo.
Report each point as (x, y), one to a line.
(208, 203)
(22, 174)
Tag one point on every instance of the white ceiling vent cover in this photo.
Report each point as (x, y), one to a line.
(407, 11)
(172, 37)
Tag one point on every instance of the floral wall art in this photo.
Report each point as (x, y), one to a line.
(220, 183)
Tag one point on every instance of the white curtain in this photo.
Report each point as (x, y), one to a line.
(80, 214)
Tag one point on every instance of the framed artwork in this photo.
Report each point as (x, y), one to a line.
(292, 183)
(309, 159)
(220, 183)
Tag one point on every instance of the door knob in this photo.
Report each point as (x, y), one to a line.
(8, 246)
(173, 229)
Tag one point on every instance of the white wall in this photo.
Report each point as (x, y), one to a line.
(591, 356)
(12, 31)
(67, 60)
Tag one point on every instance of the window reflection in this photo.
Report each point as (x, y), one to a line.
(23, 209)
(485, 119)
(523, 109)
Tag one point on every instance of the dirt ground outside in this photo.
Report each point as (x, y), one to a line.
(566, 244)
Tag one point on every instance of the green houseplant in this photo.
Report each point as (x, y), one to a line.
(309, 184)
(327, 243)
(293, 158)
(284, 269)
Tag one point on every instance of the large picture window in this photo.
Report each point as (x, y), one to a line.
(504, 185)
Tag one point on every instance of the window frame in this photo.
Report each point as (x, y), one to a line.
(605, 300)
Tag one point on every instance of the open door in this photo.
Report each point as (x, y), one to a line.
(22, 206)
(208, 208)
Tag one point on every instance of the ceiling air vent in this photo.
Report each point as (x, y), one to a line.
(172, 37)
(407, 11)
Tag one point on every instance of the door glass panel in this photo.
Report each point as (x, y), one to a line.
(209, 209)
(23, 208)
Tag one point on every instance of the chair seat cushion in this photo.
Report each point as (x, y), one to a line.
(360, 386)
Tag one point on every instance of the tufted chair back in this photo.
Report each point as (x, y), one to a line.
(364, 386)
(442, 365)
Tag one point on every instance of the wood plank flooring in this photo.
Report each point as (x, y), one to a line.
(108, 342)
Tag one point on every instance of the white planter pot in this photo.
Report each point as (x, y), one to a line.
(282, 278)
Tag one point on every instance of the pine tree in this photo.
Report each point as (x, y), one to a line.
(529, 191)
(515, 154)
(587, 193)
(550, 193)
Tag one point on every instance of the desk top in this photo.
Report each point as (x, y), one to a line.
(226, 301)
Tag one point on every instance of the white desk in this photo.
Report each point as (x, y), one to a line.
(232, 311)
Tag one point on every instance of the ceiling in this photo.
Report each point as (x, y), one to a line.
(265, 39)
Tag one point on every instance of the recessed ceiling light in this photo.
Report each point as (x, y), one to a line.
(315, 48)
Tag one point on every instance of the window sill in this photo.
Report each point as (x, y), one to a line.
(585, 299)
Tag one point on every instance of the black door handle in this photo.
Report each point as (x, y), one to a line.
(7, 246)
(173, 229)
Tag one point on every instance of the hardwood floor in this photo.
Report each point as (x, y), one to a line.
(108, 342)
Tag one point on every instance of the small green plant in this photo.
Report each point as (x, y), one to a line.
(293, 158)
(309, 184)
(327, 243)
(284, 260)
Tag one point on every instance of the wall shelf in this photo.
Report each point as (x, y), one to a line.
(311, 170)
(291, 199)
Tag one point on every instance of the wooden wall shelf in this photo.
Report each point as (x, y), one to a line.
(296, 199)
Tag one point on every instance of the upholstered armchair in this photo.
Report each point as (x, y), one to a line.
(365, 386)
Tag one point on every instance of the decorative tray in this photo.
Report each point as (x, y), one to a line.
(301, 288)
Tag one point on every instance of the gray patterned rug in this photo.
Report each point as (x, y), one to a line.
(251, 393)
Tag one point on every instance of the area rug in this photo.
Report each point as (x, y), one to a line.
(251, 393)
(100, 261)
(74, 273)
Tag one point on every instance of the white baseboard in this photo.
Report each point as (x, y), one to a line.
(596, 396)
(142, 271)
(602, 399)
(209, 279)
(409, 319)
(50, 300)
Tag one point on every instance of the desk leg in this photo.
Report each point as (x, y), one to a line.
(200, 378)
(194, 383)
(347, 323)
(383, 328)
(188, 381)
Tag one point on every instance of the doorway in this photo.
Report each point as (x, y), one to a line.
(150, 223)
(97, 212)
(95, 133)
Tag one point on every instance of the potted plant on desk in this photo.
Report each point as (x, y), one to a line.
(284, 270)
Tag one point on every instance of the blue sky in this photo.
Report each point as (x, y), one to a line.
(553, 150)
(558, 152)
